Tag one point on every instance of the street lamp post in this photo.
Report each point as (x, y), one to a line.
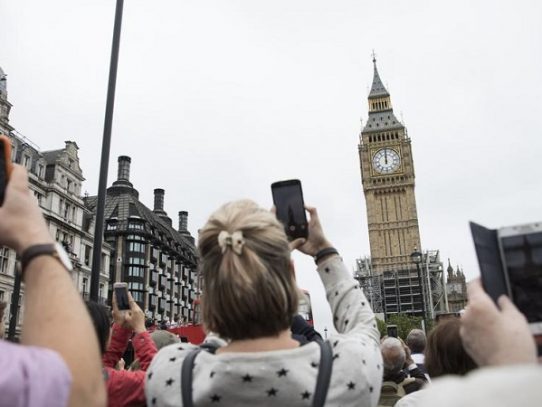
(106, 147)
(416, 258)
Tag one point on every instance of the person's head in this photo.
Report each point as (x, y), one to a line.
(250, 291)
(393, 355)
(163, 338)
(102, 323)
(444, 353)
(416, 341)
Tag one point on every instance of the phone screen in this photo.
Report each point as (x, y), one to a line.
(121, 293)
(288, 200)
(522, 255)
(392, 331)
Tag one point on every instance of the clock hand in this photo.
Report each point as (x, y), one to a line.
(386, 156)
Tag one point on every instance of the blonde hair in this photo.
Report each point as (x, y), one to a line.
(252, 294)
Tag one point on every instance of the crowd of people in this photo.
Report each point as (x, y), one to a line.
(258, 350)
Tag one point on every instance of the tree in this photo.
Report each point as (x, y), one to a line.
(405, 323)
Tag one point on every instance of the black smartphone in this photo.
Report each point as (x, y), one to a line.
(510, 260)
(290, 207)
(121, 294)
(486, 244)
(5, 165)
(392, 331)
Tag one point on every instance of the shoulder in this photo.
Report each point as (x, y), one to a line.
(496, 386)
(22, 375)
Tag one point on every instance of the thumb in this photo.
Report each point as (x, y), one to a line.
(294, 244)
(507, 306)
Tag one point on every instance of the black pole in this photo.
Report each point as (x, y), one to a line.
(421, 291)
(14, 308)
(106, 147)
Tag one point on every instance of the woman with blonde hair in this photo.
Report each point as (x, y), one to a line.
(250, 299)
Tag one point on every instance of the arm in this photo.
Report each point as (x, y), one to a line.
(54, 313)
(119, 342)
(145, 349)
(350, 309)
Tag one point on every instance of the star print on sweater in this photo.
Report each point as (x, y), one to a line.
(283, 377)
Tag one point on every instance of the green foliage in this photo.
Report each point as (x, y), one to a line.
(381, 327)
(405, 323)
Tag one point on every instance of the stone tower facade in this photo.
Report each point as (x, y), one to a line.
(387, 173)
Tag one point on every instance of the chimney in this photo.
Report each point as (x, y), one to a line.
(123, 173)
(159, 200)
(183, 221)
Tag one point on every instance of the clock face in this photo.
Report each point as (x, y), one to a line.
(386, 161)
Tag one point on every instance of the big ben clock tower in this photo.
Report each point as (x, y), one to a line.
(387, 173)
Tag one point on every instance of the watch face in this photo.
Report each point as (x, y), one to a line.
(386, 161)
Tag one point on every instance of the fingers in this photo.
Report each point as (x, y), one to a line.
(507, 306)
(297, 243)
(477, 294)
(18, 177)
(312, 210)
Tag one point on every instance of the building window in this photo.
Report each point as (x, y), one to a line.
(40, 170)
(135, 271)
(27, 162)
(88, 254)
(19, 307)
(136, 286)
(4, 257)
(100, 291)
(136, 247)
(136, 260)
(85, 285)
(1, 300)
(135, 225)
(137, 296)
(111, 226)
(135, 237)
(69, 184)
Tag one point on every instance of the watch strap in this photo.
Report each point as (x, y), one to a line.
(324, 253)
(37, 250)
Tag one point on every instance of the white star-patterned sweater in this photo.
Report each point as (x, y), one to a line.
(284, 377)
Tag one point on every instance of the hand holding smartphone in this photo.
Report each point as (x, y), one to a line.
(5, 165)
(288, 201)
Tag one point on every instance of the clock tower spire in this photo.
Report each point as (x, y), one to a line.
(387, 173)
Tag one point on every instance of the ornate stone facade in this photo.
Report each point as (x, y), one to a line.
(56, 179)
(387, 172)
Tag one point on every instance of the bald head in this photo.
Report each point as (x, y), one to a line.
(393, 355)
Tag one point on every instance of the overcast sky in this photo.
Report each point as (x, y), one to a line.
(218, 99)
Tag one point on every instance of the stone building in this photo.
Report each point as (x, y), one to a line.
(56, 179)
(393, 281)
(456, 289)
(156, 260)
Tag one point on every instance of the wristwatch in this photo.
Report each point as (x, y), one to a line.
(54, 249)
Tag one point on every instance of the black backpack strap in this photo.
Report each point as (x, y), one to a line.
(186, 378)
(324, 374)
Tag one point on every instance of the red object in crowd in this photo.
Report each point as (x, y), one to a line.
(193, 332)
(126, 388)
